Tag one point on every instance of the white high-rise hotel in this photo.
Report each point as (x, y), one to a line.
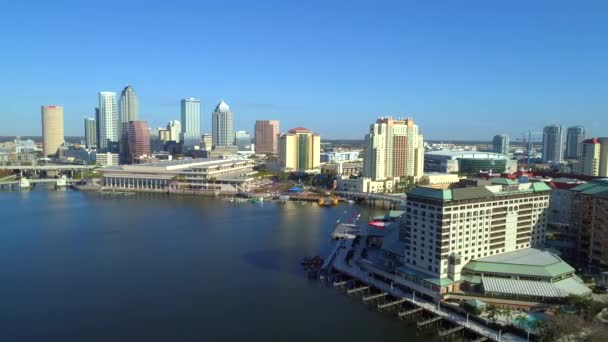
(108, 120)
(191, 122)
(393, 148)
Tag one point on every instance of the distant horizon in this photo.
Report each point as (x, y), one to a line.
(462, 71)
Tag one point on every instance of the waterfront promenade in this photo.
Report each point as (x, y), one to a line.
(338, 263)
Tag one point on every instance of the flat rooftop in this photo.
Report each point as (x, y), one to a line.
(448, 154)
(174, 165)
(508, 188)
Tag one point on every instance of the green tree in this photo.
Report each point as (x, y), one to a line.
(493, 312)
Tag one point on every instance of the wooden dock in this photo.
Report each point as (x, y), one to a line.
(409, 312)
(389, 304)
(376, 296)
(450, 331)
(426, 322)
(358, 289)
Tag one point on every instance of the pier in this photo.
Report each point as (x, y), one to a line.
(409, 313)
(357, 289)
(426, 322)
(389, 304)
(376, 296)
(446, 333)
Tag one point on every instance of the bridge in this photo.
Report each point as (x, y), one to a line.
(11, 181)
(59, 167)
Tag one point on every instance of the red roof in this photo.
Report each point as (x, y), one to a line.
(299, 129)
(591, 141)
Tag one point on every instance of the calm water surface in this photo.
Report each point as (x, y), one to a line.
(88, 267)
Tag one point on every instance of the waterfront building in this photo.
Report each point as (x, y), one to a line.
(500, 144)
(299, 150)
(191, 123)
(330, 157)
(475, 241)
(574, 139)
(393, 148)
(594, 157)
(266, 136)
(175, 130)
(366, 185)
(90, 132)
(465, 162)
(553, 144)
(226, 175)
(97, 135)
(590, 221)
(108, 122)
(222, 125)
(52, 129)
(139, 140)
(242, 140)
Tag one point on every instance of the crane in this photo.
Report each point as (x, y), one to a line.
(526, 139)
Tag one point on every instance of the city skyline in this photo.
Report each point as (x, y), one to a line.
(523, 65)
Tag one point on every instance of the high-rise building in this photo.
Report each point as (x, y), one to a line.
(444, 229)
(594, 157)
(108, 122)
(175, 130)
(553, 144)
(191, 122)
(164, 134)
(139, 139)
(393, 148)
(242, 140)
(129, 111)
(501, 144)
(52, 129)
(129, 105)
(97, 135)
(574, 139)
(590, 215)
(90, 132)
(299, 150)
(221, 125)
(266, 136)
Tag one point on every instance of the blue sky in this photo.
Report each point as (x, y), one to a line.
(461, 69)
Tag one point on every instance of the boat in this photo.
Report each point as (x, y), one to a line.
(284, 197)
(351, 202)
(24, 183)
(61, 182)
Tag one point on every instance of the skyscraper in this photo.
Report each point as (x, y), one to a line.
(242, 140)
(129, 106)
(553, 144)
(90, 132)
(221, 125)
(139, 139)
(191, 122)
(52, 129)
(108, 122)
(175, 130)
(393, 148)
(129, 111)
(574, 138)
(501, 143)
(299, 150)
(266, 136)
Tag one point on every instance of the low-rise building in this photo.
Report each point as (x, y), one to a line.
(107, 158)
(439, 180)
(339, 156)
(467, 162)
(345, 169)
(228, 175)
(365, 184)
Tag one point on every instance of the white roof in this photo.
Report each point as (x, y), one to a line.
(558, 289)
(222, 106)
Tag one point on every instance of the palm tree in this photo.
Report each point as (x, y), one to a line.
(508, 313)
(492, 312)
